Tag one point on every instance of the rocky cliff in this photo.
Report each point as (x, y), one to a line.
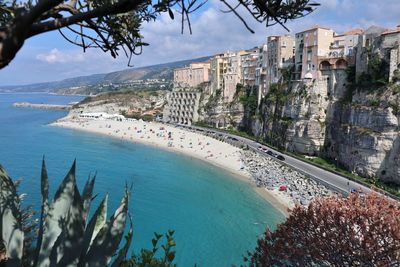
(364, 135)
(360, 129)
(216, 112)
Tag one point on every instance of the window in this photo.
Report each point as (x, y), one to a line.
(308, 66)
(315, 43)
(309, 55)
(315, 33)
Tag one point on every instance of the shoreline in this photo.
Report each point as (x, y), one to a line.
(229, 160)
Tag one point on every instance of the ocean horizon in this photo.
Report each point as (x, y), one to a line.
(216, 217)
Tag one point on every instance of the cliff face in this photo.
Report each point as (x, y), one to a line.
(364, 135)
(294, 117)
(216, 112)
(360, 130)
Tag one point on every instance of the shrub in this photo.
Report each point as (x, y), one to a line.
(354, 231)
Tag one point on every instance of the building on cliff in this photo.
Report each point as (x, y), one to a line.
(261, 72)
(275, 55)
(183, 102)
(249, 64)
(227, 72)
(217, 71)
(310, 45)
(232, 75)
(182, 106)
(385, 43)
(192, 75)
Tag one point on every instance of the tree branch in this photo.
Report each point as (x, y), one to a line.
(98, 12)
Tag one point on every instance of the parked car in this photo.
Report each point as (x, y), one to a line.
(269, 152)
(280, 157)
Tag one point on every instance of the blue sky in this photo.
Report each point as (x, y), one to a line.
(48, 57)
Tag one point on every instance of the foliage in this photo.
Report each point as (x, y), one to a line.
(395, 107)
(66, 236)
(278, 94)
(351, 83)
(396, 88)
(374, 102)
(148, 117)
(354, 231)
(213, 100)
(239, 89)
(114, 25)
(249, 100)
(147, 257)
(396, 75)
(377, 72)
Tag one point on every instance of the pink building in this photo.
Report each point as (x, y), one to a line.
(192, 75)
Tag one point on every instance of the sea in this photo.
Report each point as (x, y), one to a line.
(216, 217)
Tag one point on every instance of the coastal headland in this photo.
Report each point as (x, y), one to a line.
(267, 175)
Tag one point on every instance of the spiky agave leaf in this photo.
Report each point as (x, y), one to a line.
(124, 250)
(87, 196)
(10, 224)
(56, 214)
(67, 248)
(107, 240)
(44, 186)
(96, 223)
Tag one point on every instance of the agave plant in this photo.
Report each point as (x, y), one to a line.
(65, 236)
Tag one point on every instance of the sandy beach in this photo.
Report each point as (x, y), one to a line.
(178, 140)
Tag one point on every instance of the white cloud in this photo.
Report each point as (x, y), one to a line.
(57, 56)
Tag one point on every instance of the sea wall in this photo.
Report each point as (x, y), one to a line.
(41, 106)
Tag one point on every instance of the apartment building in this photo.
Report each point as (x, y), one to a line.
(261, 72)
(226, 73)
(182, 106)
(391, 43)
(380, 41)
(280, 55)
(217, 71)
(342, 51)
(233, 74)
(310, 45)
(249, 64)
(192, 75)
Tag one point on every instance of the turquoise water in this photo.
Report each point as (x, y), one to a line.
(216, 217)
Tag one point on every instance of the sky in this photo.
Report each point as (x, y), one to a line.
(48, 57)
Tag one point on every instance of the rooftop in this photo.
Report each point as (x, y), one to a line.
(315, 27)
(354, 32)
(391, 31)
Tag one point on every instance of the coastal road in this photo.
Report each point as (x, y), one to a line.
(333, 181)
